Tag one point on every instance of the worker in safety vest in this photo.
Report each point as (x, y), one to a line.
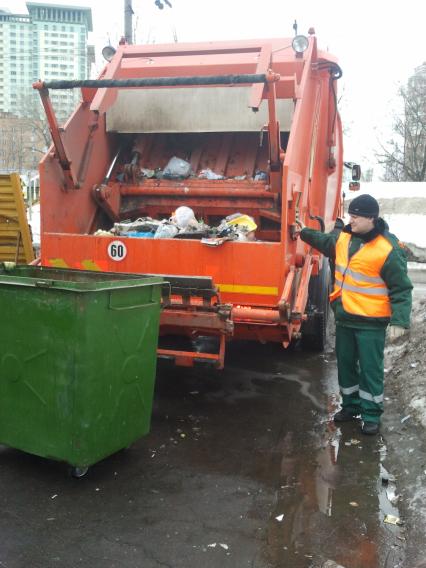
(371, 290)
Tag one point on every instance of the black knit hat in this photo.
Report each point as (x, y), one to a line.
(364, 206)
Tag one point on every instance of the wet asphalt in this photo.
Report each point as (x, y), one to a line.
(242, 468)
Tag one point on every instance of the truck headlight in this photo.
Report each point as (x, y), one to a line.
(108, 52)
(300, 43)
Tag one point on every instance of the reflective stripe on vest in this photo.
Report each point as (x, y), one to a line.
(358, 280)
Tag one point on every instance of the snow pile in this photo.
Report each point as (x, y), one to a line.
(389, 190)
(402, 206)
(405, 363)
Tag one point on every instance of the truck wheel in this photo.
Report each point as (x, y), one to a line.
(314, 330)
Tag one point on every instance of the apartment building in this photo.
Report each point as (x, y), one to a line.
(48, 43)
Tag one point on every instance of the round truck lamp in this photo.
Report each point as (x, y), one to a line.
(108, 52)
(300, 44)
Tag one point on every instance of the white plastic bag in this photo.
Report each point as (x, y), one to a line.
(166, 231)
(210, 174)
(184, 217)
(177, 168)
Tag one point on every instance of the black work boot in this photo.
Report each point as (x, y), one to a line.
(370, 428)
(344, 416)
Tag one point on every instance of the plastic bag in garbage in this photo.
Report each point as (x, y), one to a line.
(209, 174)
(177, 168)
(244, 222)
(143, 224)
(260, 176)
(184, 218)
(166, 230)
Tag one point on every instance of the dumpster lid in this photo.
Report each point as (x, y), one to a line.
(76, 280)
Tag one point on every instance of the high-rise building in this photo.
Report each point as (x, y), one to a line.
(48, 43)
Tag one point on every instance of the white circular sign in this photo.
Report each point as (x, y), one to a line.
(117, 250)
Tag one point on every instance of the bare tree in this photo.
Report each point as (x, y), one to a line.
(32, 110)
(404, 156)
(24, 138)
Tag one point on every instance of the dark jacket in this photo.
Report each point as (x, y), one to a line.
(394, 273)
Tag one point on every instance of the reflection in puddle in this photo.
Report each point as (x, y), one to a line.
(327, 472)
(334, 495)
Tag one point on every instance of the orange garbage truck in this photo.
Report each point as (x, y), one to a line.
(243, 135)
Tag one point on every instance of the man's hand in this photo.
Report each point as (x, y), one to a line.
(396, 331)
(295, 229)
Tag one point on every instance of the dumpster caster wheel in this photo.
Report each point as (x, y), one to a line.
(78, 472)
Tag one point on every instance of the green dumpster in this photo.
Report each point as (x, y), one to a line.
(77, 361)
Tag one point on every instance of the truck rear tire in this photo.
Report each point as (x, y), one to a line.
(314, 330)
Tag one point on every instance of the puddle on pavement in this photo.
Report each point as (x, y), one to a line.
(334, 491)
(321, 489)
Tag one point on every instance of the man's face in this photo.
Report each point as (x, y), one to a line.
(361, 225)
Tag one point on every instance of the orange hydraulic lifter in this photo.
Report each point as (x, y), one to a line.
(236, 108)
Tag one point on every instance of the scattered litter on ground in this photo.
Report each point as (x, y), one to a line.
(405, 418)
(280, 518)
(221, 544)
(353, 504)
(54, 496)
(391, 495)
(352, 442)
(331, 564)
(392, 520)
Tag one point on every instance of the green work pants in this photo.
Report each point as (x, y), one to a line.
(360, 368)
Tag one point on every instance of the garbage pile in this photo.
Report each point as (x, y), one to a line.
(177, 169)
(183, 224)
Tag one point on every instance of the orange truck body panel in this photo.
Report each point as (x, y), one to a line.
(264, 283)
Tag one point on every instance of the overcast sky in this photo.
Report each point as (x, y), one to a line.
(378, 43)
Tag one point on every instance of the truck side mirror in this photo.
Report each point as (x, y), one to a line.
(356, 172)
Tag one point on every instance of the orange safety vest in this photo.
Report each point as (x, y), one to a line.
(358, 280)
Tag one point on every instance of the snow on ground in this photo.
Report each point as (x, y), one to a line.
(405, 362)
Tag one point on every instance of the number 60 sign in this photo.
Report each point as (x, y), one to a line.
(117, 250)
